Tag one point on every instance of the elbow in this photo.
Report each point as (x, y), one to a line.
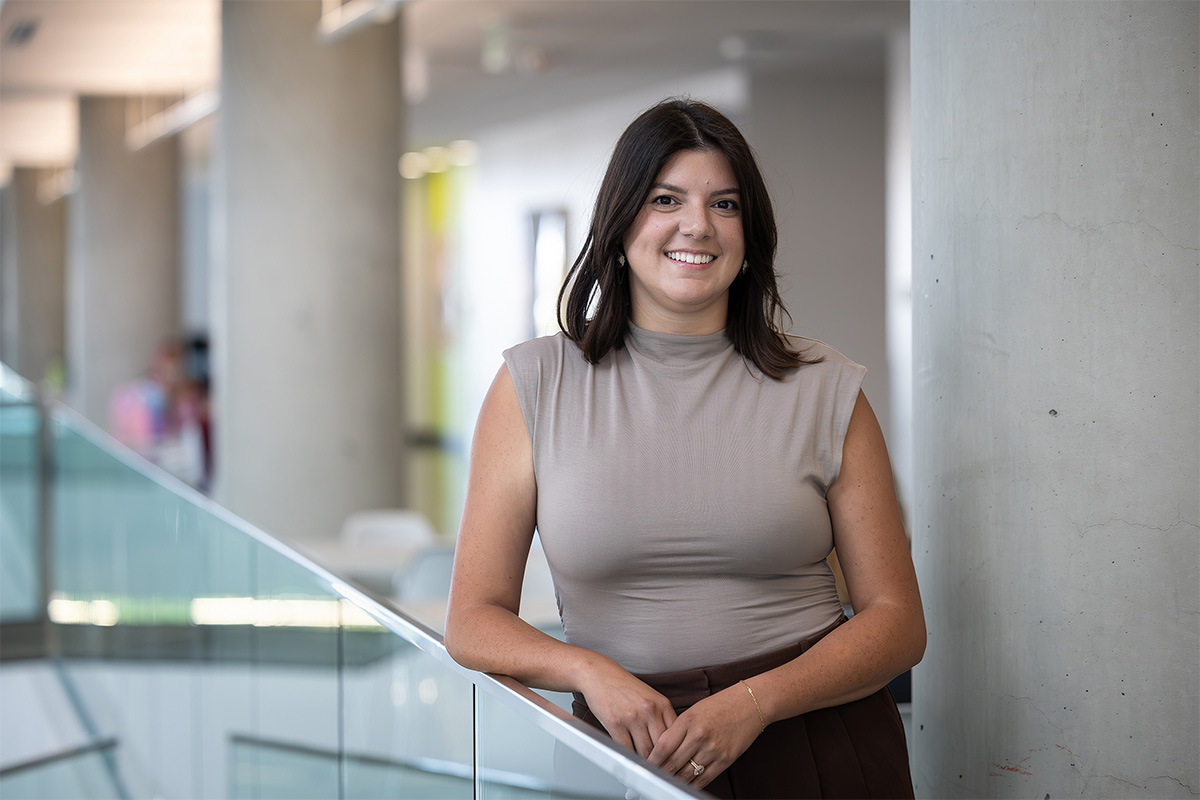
(456, 643)
(450, 641)
(918, 650)
(461, 644)
(917, 639)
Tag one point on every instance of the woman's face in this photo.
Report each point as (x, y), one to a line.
(685, 247)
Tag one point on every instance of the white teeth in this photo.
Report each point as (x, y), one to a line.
(690, 258)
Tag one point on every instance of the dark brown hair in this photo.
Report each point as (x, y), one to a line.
(754, 320)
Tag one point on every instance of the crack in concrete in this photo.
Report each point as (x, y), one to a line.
(1148, 779)
(1173, 778)
(1082, 228)
(1144, 525)
(1032, 705)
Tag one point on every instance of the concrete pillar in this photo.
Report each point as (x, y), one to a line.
(9, 333)
(1056, 167)
(306, 301)
(33, 298)
(122, 257)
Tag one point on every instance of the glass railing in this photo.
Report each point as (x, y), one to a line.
(210, 660)
(21, 580)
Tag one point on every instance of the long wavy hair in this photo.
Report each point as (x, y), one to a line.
(754, 322)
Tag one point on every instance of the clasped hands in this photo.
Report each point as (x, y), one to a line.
(712, 733)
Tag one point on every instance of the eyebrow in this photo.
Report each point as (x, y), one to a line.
(670, 187)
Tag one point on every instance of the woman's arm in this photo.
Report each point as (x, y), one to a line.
(483, 629)
(885, 636)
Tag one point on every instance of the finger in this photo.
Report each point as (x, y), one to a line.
(621, 736)
(666, 746)
(689, 750)
(642, 741)
(710, 771)
(687, 773)
(706, 777)
(658, 726)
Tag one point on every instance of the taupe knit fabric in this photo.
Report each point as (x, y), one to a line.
(681, 494)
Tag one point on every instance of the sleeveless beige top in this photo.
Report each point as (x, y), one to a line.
(681, 494)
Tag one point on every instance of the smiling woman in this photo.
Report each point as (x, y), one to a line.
(685, 247)
(689, 468)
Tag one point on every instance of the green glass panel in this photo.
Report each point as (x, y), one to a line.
(20, 516)
(222, 665)
(181, 630)
(272, 771)
(85, 776)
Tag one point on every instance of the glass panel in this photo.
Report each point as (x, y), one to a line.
(14, 388)
(219, 665)
(274, 771)
(408, 721)
(85, 775)
(517, 759)
(20, 515)
(296, 662)
(181, 632)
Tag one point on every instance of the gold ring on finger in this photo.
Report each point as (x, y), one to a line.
(697, 768)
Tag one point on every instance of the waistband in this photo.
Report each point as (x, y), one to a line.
(687, 687)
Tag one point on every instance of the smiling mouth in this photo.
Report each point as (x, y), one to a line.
(690, 258)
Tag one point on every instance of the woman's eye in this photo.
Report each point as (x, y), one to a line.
(727, 205)
(663, 200)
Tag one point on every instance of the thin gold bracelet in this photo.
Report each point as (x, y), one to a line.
(761, 719)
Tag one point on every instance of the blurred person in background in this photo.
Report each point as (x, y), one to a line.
(689, 468)
(163, 415)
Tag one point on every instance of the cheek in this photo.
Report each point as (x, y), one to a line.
(645, 235)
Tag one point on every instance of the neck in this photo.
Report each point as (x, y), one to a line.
(691, 324)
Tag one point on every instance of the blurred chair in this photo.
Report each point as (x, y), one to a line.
(427, 577)
(375, 545)
(387, 526)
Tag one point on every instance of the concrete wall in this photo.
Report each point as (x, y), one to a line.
(1055, 170)
(33, 303)
(122, 257)
(9, 264)
(305, 297)
(195, 234)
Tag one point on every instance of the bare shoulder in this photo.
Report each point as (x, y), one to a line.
(500, 418)
(500, 509)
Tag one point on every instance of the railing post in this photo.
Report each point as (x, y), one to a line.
(475, 760)
(50, 635)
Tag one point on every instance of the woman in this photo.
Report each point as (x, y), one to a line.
(689, 469)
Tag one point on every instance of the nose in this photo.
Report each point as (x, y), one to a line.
(695, 222)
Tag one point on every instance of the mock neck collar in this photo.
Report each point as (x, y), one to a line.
(671, 348)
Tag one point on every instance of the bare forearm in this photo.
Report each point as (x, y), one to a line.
(490, 638)
(855, 660)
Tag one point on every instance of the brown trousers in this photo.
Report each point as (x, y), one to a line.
(855, 750)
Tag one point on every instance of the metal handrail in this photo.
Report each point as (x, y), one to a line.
(101, 746)
(630, 769)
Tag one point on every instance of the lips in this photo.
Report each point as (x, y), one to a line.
(690, 258)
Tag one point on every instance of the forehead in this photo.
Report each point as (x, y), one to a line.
(698, 169)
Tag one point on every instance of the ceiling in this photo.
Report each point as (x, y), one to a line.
(543, 53)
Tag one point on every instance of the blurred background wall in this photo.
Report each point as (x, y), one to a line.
(346, 217)
(312, 227)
